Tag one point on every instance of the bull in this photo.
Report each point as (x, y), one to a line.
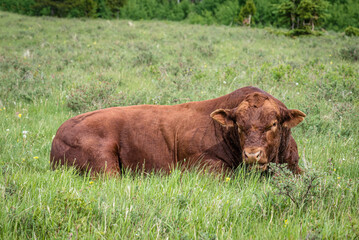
(246, 126)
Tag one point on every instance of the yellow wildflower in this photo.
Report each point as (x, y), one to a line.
(331, 62)
(91, 182)
(227, 179)
(36, 157)
(334, 169)
(338, 178)
(19, 115)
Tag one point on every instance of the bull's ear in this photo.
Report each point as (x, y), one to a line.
(294, 117)
(223, 117)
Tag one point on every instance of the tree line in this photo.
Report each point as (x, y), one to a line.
(292, 14)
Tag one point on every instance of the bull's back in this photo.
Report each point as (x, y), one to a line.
(138, 136)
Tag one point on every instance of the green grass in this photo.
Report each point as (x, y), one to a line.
(52, 69)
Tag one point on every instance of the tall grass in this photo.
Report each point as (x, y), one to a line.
(52, 69)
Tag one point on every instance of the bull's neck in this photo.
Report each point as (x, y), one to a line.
(228, 101)
(229, 140)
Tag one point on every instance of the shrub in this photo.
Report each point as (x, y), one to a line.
(227, 13)
(103, 10)
(302, 14)
(30, 83)
(352, 31)
(18, 6)
(92, 96)
(350, 53)
(300, 191)
(206, 18)
(247, 12)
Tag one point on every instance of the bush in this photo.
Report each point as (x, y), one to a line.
(352, 31)
(247, 12)
(206, 18)
(226, 13)
(301, 32)
(342, 14)
(18, 6)
(103, 10)
(336, 15)
(300, 191)
(92, 96)
(350, 53)
(29, 84)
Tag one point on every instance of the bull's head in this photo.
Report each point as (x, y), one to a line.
(261, 123)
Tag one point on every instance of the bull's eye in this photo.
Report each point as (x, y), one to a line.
(271, 126)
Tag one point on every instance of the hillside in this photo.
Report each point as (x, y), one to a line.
(52, 69)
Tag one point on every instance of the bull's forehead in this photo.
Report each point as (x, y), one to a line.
(257, 112)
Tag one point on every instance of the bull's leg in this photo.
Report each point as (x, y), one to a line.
(100, 158)
(105, 160)
(216, 166)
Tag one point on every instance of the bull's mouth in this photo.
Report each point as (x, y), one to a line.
(258, 166)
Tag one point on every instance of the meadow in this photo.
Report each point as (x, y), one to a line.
(52, 69)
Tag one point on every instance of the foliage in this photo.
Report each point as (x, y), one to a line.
(302, 14)
(266, 13)
(342, 13)
(92, 96)
(103, 10)
(299, 190)
(352, 31)
(98, 63)
(337, 14)
(153, 9)
(350, 53)
(226, 13)
(66, 8)
(247, 12)
(28, 82)
(18, 6)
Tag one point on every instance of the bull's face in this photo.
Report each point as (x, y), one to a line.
(260, 122)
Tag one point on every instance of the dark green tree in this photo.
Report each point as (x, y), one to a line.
(67, 8)
(103, 10)
(227, 12)
(247, 12)
(312, 12)
(303, 14)
(287, 13)
(115, 6)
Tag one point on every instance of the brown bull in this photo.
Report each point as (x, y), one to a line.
(247, 125)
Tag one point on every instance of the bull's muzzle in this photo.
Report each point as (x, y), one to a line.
(255, 157)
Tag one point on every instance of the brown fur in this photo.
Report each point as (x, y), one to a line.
(210, 133)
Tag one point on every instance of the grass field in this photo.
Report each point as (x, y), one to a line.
(52, 69)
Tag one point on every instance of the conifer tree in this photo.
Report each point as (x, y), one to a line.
(303, 14)
(247, 12)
